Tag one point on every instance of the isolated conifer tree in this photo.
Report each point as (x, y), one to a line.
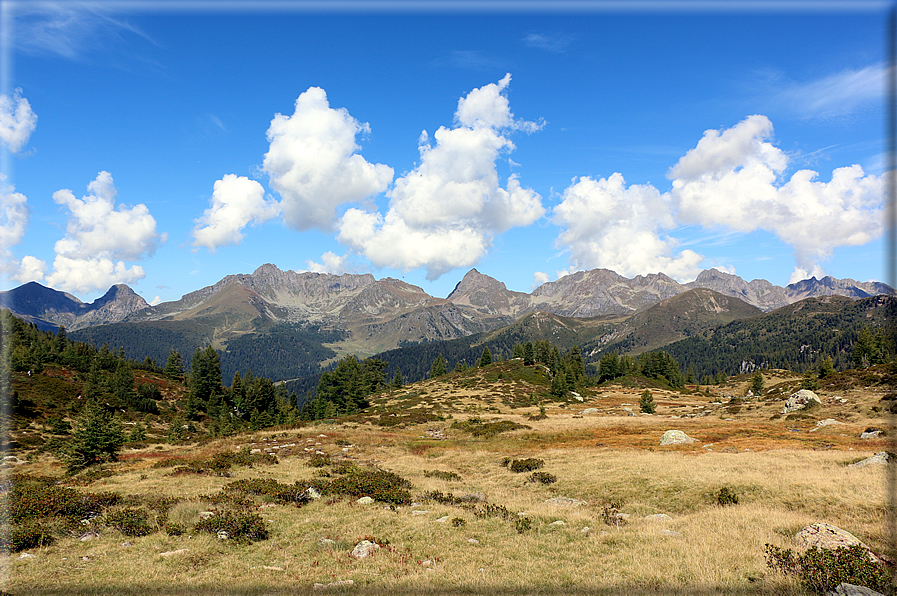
(97, 438)
(438, 368)
(757, 383)
(397, 381)
(646, 402)
(174, 366)
(486, 358)
(528, 356)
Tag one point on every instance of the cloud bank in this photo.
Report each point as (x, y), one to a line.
(99, 238)
(443, 214)
(236, 202)
(17, 121)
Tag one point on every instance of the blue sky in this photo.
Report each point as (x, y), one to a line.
(167, 145)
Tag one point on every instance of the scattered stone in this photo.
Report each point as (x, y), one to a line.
(828, 536)
(675, 437)
(590, 411)
(172, 553)
(365, 501)
(364, 548)
(428, 563)
(627, 409)
(272, 568)
(326, 542)
(565, 502)
(879, 458)
(557, 524)
(88, 536)
(419, 512)
(585, 530)
(126, 544)
(800, 400)
(26, 556)
(443, 520)
(254, 451)
(845, 589)
(576, 396)
(658, 517)
(827, 422)
(470, 540)
(313, 493)
(206, 514)
(85, 559)
(672, 533)
(871, 434)
(222, 535)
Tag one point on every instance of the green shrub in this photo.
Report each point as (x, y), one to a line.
(97, 439)
(441, 475)
(130, 522)
(375, 483)
(490, 510)
(522, 524)
(281, 493)
(478, 428)
(19, 537)
(543, 478)
(174, 529)
(458, 522)
(821, 570)
(646, 402)
(526, 465)
(240, 526)
(726, 496)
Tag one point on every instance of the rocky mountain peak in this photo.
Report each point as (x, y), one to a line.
(473, 281)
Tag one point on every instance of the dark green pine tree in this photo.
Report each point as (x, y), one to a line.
(397, 381)
(205, 379)
(486, 358)
(528, 356)
(438, 368)
(174, 366)
(97, 438)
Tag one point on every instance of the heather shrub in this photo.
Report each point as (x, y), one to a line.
(726, 496)
(526, 465)
(240, 526)
(130, 521)
(380, 485)
(821, 570)
(441, 475)
(543, 478)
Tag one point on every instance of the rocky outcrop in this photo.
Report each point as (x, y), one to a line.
(800, 400)
(758, 292)
(675, 437)
(879, 458)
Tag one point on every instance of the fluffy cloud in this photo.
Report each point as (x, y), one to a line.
(236, 202)
(735, 179)
(314, 165)
(610, 225)
(17, 121)
(332, 264)
(444, 213)
(13, 221)
(99, 237)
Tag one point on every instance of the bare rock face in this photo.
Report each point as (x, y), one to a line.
(675, 437)
(800, 400)
(828, 536)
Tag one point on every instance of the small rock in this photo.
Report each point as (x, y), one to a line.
(272, 568)
(576, 396)
(879, 458)
(318, 586)
(313, 493)
(254, 451)
(871, 434)
(364, 548)
(222, 535)
(26, 556)
(565, 502)
(672, 533)
(88, 536)
(326, 542)
(206, 514)
(675, 437)
(419, 512)
(585, 530)
(828, 422)
(172, 553)
(365, 501)
(470, 540)
(658, 517)
(557, 524)
(443, 519)
(85, 559)
(845, 589)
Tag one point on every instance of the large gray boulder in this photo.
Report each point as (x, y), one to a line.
(879, 458)
(845, 589)
(828, 536)
(675, 437)
(800, 400)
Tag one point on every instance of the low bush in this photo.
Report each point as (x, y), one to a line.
(241, 527)
(821, 570)
(281, 493)
(19, 537)
(130, 521)
(543, 478)
(372, 482)
(478, 428)
(726, 496)
(522, 524)
(441, 475)
(526, 465)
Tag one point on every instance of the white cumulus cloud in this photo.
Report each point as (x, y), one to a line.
(236, 202)
(444, 213)
(332, 263)
(314, 165)
(99, 237)
(609, 225)
(735, 179)
(17, 121)
(13, 222)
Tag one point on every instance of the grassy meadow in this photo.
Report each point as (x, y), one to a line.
(461, 532)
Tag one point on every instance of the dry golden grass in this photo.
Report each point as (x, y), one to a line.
(785, 480)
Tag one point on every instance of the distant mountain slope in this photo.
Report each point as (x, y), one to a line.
(49, 309)
(675, 318)
(794, 336)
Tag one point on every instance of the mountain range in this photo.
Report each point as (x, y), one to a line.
(324, 316)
